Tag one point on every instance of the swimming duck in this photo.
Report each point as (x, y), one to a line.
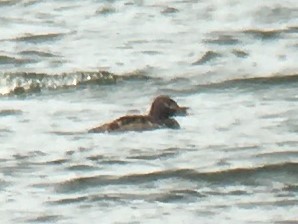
(162, 109)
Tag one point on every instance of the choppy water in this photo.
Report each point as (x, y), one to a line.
(67, 66)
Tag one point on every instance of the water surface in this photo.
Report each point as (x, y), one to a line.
(68, 66)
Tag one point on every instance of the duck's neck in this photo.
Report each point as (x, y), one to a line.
(157, 116)
(171, 123)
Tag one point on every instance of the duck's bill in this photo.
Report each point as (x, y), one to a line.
(181, 111)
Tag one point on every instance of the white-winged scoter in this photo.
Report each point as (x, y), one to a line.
(160, 116)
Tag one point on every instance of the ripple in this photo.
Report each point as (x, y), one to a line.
(38, 38)
(169, 10)
(222, 40)
(207, 57)
(164, 155)
(264, 34)
(165, 197)
(38, 53)
(82, 167)
(45, 219)
(177, 196)
(10, 112)
(13, 60)
(249, 176)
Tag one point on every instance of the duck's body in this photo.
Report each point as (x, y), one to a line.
(162, 109)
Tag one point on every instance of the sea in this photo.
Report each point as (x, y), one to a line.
(68, 66)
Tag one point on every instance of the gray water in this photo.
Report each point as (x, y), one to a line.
(67, 66)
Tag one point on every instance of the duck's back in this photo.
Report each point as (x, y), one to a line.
(127, 123)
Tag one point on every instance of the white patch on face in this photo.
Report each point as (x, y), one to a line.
(167, 105)
(172, 106)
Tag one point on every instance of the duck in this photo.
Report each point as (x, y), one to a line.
(160, 116)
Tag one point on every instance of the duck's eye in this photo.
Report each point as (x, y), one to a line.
(172, 105)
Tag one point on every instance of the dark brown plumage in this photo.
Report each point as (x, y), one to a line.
(162, 109)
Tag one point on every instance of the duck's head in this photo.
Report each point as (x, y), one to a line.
(164, 107)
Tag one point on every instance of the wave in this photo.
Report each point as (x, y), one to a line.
(250, 82)
(270, 34)
(27, 83)
(247, 176)
(169, 196)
